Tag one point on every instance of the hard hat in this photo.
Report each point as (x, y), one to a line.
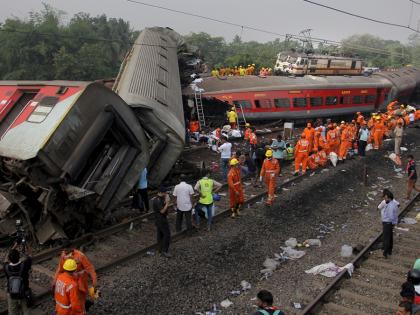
(269, 153)
(70, 265)
(343, 122)
(253, 64)
(249, 65)
(234, 162)
(247, 125)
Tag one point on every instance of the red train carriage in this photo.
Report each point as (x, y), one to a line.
(273, 97)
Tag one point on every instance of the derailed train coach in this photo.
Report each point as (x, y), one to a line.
(70, 152)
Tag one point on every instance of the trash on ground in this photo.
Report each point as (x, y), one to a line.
(395, 158)
(291, 242)
(312, 242)
(285, 189)
(297, 305)
(403, 149)
(150, 253)
(292, 253)
(380, 178)
(226, 303)
(270, 263)
(235, 292)
(346, 251)
(312, 174)
(325, 170)
(402, 229)
(333, 158)
(245, 285)
(330, 269)
(408, 220)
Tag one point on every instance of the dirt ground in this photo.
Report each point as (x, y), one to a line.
(333, 205)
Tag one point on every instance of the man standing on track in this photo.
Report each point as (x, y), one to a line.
(364, 135)
(183, 193)
(225, 154)
(301, 154)
(269, 171)
(310, 133)
(85, 270)
(236, 192)
(389, 216)
(398, 134)
(160, 207)
(412, 176)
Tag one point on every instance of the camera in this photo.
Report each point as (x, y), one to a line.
(20, 233)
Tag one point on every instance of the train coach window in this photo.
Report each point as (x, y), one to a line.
(344, 99)
(331, 100)
(316, 101)
(358, 99)
(282, 102)
(42, 109)
(299, 102)
(266, 103)
(370, 99)
(314, 61)
(244, 103)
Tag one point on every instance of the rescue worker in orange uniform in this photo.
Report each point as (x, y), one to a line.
(360, 119)
(301, 154)
(66, 291)
(323, 158)
(310, 133)
(391, 106)
(332, 139)
(345, 145)
(247, 132)
(85, 270)
(317, 135)
(377, 132)
(269, 171)
(313, 161)
(236, 192)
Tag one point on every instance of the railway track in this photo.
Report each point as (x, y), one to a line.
(373, 288)
(113, 246)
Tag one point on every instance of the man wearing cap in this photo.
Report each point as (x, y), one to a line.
(206, 187)
(269, 171)
(236, 193)
(160, 207)
(66, 291)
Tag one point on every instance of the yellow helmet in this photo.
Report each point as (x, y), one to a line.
(247, 125)
(269, 153)
(70, 265)
(234, 162)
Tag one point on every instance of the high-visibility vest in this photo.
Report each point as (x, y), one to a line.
(206, 190)
(289, 153)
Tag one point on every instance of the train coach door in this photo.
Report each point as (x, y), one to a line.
(379, 98)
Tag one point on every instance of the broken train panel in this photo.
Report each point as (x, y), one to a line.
(70, 151)
(149, 81)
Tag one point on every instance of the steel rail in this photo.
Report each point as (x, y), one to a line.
(322, 297)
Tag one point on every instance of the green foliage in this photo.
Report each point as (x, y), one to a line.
(44, 48)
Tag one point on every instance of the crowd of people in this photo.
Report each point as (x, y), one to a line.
(241, 71)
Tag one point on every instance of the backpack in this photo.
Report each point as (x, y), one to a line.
(15, 284)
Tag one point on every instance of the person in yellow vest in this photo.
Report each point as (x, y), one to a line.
(241, 71)
(206, 187)
(232, 117)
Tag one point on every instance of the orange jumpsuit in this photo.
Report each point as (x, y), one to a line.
(270, 170)
(84, 270)
(390, 106)
(301, 155)
(236, 192)
(253, 138)
(313, 161)
(417, 114)
(323, 158)
(316, 141)
(247, 133)
(66, 294)
(310, 133)
(378, 131)
(333, 140)
(345, 143)
(323, 144)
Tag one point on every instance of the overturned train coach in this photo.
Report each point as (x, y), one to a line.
(275, 97)
(72, 151)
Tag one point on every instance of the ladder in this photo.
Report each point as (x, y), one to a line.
(240, 117)
(199, 109)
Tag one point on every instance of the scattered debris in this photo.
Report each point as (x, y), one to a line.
(226, 303)
(312, 242)
(408, 220)
(292, 253)
(297, 305)
(330, 269)
(291, 242)
(245, 285)
(346, 251)
(404, 149)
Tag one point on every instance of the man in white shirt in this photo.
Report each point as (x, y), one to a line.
(182, 193)
(389, 216)
(225, 154)
(412, 117)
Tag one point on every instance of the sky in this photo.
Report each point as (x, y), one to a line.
(279, 16)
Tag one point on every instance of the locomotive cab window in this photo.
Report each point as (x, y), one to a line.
(244, 103)
(264, 104)
(299, 102)
(316, 101)
(282, 102)
(331, 100)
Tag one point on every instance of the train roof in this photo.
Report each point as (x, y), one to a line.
(216, 85)
(43, 83)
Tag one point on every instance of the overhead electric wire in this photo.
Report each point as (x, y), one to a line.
(361, 17)
(318, 40)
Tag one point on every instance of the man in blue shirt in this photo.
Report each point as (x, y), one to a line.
(389, 216)
(141, 198)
